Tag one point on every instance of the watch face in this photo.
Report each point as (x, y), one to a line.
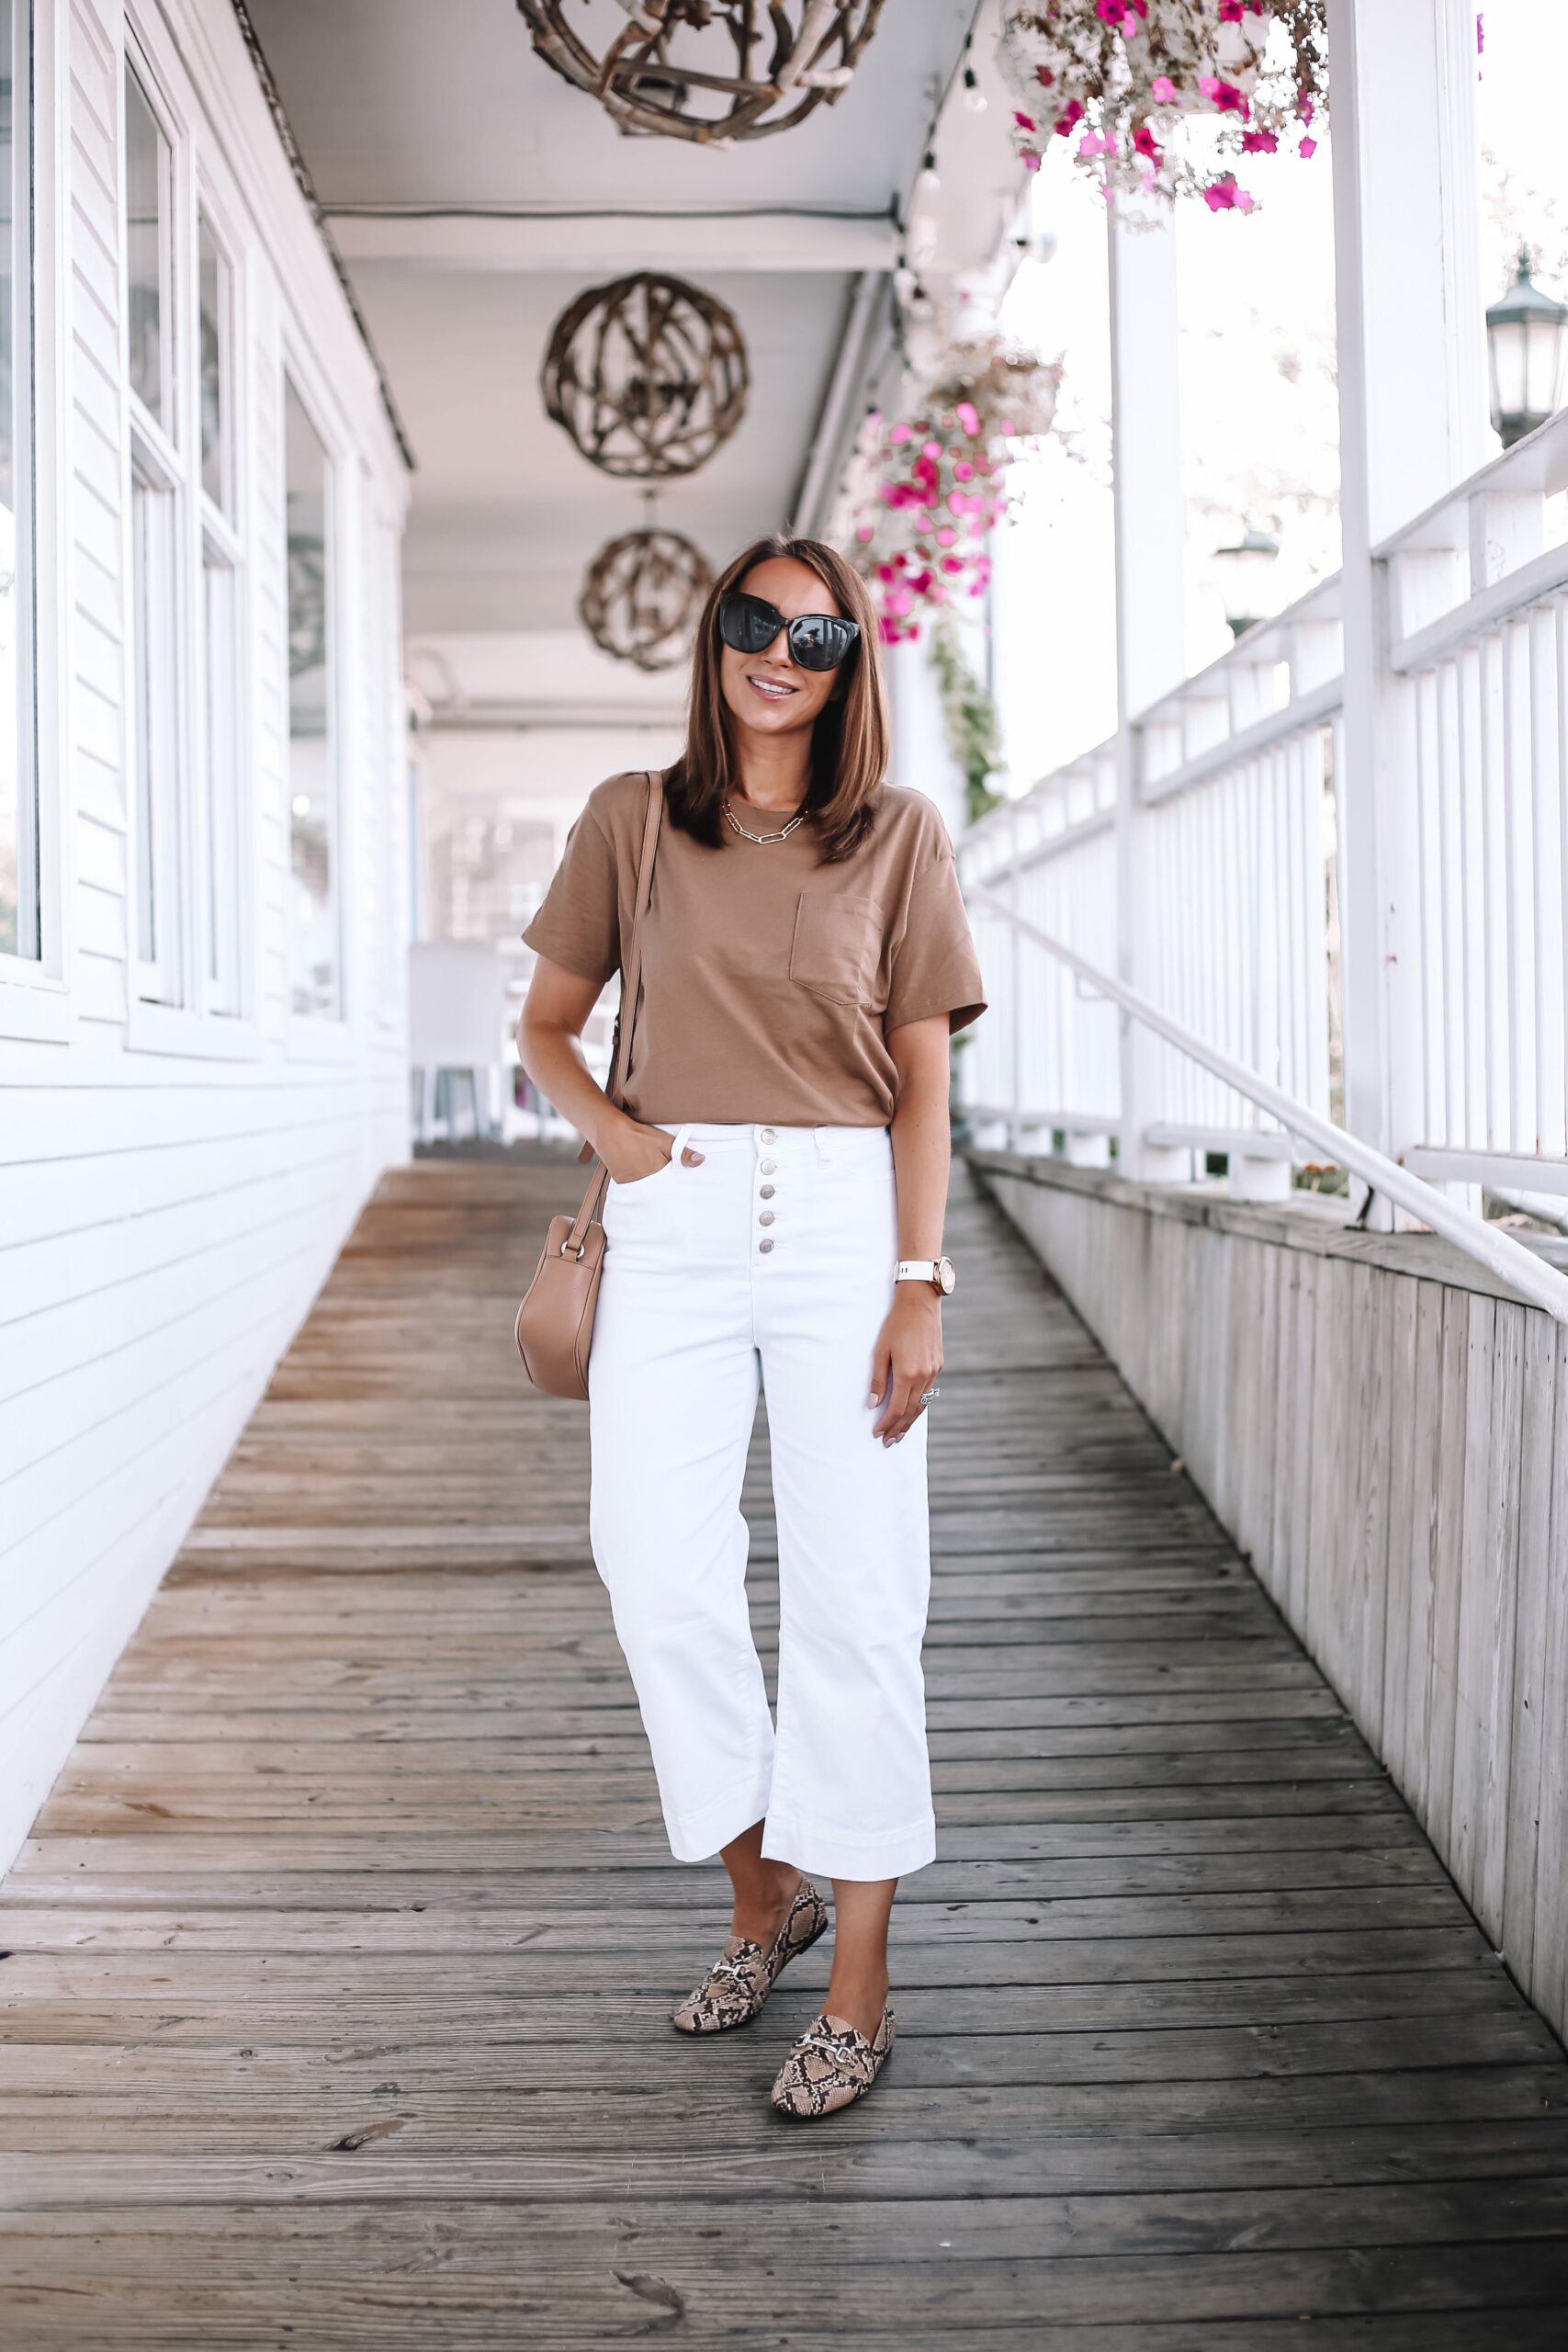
(945, 1275)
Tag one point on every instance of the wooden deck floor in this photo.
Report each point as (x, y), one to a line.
(334, 1987)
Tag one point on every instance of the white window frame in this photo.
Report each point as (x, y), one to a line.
(200, 996)
(319, 1037)
(35, 991)
(225, 802)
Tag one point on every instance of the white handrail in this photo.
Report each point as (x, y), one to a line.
(1520, 1267)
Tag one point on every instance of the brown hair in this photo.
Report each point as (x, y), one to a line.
(848, 742)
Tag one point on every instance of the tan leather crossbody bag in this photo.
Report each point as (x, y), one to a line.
(555, 1322)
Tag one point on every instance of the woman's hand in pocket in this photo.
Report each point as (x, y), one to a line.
(635, 1151)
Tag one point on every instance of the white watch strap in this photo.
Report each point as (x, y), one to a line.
(915, 1270)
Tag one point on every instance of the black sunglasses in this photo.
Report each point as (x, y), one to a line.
(817, 640)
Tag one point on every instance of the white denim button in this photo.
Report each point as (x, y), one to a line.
(767, 1136)
(764, 1247)
(768, 1191)
(769, 1166)
(766, 1217)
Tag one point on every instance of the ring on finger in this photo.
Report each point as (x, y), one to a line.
(927, 1394)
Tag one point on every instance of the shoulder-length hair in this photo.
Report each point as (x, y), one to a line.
(848, 742)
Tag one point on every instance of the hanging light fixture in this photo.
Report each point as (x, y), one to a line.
(642, 593)
(648, 376)
(1524, 336)
(711, 71)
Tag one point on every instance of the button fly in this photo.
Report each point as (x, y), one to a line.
(764, 1247)
(767, 1136)
(769, 1166)
(768, 1191)
(766, 1217)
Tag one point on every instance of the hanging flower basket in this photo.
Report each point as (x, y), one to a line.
(924, 492)
(1118, 81)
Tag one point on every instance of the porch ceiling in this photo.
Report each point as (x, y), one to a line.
(400, 108)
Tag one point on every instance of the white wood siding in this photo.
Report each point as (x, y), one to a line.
(166, 1217)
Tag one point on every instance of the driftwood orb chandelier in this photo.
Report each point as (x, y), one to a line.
(641, 596)
(648, 376)
(713, 71)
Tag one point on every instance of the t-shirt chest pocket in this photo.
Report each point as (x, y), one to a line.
(835, 947)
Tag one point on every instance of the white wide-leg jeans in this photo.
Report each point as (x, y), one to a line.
(772, 1260)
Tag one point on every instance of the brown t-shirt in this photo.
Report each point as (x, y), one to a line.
(770, 979)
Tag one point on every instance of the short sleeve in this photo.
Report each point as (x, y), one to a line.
(578, 926)
(935, 969)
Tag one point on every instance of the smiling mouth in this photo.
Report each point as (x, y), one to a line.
(773, 688)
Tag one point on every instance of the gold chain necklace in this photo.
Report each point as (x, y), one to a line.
(746, 834)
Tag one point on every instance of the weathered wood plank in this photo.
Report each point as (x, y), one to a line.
(335, 2002)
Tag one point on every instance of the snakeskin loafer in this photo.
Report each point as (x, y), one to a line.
(733, 1991)
(831, 2064)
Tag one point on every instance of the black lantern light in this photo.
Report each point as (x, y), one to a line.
(1245, 578)
(1524, 336)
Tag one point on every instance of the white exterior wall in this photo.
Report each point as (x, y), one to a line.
(174, 1187)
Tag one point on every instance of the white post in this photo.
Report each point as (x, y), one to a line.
(1150, 530)
(1412, 417)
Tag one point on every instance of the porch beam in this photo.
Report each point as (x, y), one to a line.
(615, 239)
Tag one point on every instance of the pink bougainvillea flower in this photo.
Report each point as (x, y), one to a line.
(901, 433)
(963, 470)
(1307, 150)
(952, 563)
(1006, 424)
(1225, 95)
(1030, 162)
(1145, 142)
(968, 416)
(1024, 121)
(1231, 12)
(1223, 196)
(1068, 121)
(1258, 142)
(932, 450)
(1304, 106)
(1207, 85)
(946, 536)
(1118, 12)
(1162, 89)
(1044, 76)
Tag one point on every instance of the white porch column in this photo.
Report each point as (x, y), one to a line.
(1412, 420)
(1150, 530)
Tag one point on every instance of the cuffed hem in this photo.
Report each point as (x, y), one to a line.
(828, 1851)
(697, 1836)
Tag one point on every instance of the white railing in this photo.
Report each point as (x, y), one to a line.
(1228, 895)
(1520, 1267)
(1477, 603)
(1203, 860)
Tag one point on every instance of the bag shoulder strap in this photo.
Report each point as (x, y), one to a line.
(631, 994)
(631, 976)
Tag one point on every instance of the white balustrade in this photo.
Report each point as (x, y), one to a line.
(1478, 620)
(1237, 858)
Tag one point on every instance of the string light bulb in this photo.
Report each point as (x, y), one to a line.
(974, 96)
(929, 180)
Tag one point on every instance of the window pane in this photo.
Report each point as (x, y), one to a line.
(153, 739)
(313, 784)
(214, 367)
(219, 746)
(18, 773)
(147, 248)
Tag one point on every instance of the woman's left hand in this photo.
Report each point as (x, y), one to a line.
(906, 1360)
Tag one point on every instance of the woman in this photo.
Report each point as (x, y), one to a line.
(778, 1180)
